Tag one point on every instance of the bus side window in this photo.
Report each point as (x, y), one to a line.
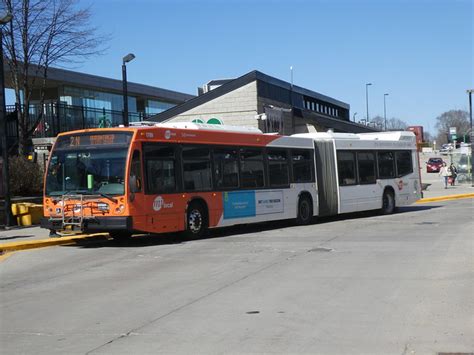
(136, 173)
(226, 168)
(366, 167)
(278, 167)
(303, 166)
(251, 168)
(404, 163)
(346, 168)
(197, 174)
(160, 169)
(386, 163)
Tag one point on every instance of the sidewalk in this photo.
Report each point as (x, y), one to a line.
(436, 183)
(436, 189)
(21, 238)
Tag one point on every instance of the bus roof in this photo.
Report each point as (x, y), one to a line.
(375, 136)
(199, 133)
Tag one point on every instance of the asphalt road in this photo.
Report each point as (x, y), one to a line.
(399, 284)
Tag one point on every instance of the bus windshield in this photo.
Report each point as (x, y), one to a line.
(88, 171)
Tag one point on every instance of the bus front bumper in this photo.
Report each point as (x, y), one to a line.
(96, 224)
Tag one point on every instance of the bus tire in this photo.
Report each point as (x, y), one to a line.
(305, 210)
(121, 235)
(196, 221)
(388, 202)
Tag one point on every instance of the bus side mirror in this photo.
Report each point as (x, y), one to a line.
(134, 184)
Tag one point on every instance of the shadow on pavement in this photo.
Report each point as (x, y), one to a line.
(16, 237)
(146, 240)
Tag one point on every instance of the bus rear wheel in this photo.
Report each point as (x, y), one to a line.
(196, 221)
(305, 210)
(388, 202)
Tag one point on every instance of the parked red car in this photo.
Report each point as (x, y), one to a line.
(433, 165)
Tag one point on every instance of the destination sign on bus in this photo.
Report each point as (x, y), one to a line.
(96, 139)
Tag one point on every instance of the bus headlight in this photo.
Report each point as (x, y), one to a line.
(120, 209)
(101, 206)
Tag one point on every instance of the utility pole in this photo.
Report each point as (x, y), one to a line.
(3, 131)
(293, 124)
(367, 99)
(469, 92)
(385, 111)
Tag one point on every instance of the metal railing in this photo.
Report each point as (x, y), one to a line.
(60, 117)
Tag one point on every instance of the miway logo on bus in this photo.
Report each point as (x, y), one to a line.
(159, 203)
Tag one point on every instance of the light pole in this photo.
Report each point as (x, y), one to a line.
(367, 99)
(385, 110)
(469, 92)
(128, 58)
(354, 116)
(293, 124)
(3, 133)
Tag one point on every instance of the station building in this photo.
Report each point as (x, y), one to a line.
(76, 100)
(262, 101)
(95, 92)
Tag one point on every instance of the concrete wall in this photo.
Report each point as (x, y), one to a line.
(237, 108)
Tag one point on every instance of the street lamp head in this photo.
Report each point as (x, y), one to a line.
(128, 58)
(368, 84)
(385, 94)
(470, 91)
(6, 18)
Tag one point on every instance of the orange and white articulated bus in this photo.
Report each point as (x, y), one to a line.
(189, 177)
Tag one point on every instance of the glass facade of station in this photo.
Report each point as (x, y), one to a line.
(153, 107)
(82, 108)
(93, 99)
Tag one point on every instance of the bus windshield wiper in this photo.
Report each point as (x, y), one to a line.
(85, 192)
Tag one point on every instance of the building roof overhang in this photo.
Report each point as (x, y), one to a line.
(231, 85)
(332, 123)
(58, 77)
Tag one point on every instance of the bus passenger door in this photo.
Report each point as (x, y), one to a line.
(135, 192)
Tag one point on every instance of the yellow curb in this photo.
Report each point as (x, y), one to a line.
(445, 198)
(41, 243)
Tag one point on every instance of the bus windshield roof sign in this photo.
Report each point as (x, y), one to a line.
(94, 139)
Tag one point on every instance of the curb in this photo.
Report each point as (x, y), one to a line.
(42, 243)
(445, 198)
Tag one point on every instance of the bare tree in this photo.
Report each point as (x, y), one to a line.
(396, 124)
(378, 122)
(43, 33)
(452, 118)
(427, 137)
(393, 124)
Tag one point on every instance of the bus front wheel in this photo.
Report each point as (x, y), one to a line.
(388, 202)
(196, 221)
(305, 210)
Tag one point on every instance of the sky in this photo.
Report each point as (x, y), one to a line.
(419, 52)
